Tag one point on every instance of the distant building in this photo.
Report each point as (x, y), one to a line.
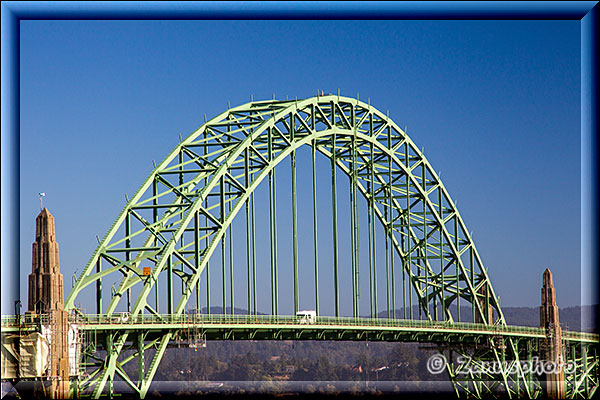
(290, 368)
(356, 368)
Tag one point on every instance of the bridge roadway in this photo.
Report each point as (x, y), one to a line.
(267, 327)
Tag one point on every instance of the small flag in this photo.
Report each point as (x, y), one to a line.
(41, 195)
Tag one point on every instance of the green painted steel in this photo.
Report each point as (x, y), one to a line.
(450, 338)
(206, 180)
(173, 322)
(314, 199)
(148, 324)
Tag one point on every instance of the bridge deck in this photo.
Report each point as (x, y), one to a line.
(220, 326)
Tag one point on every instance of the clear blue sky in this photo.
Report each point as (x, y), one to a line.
(495, 104)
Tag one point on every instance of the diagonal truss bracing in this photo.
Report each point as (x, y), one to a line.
(182, 214)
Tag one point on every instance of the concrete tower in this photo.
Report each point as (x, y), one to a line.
(46, 297)
(45, 280)
(552, 348)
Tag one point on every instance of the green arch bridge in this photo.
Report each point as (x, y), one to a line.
(173, 241)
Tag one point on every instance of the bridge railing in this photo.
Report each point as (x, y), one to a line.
(195, 319)
(26, 320)
(10, 320)
(574, 335)
(239, 319)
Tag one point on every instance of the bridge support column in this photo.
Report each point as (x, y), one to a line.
(552, 348)
(46, 298)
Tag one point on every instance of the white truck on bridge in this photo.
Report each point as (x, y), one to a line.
(307, 317)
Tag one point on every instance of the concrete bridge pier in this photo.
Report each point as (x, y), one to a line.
(46, 298)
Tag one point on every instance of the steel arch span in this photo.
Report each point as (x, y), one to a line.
(230, 155)
(182, 213)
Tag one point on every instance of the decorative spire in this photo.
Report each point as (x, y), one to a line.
(45, 280)
(548, 278)
(552, 347)
(549, 309)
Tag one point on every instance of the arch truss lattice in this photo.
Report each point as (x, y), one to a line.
(182, 213)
